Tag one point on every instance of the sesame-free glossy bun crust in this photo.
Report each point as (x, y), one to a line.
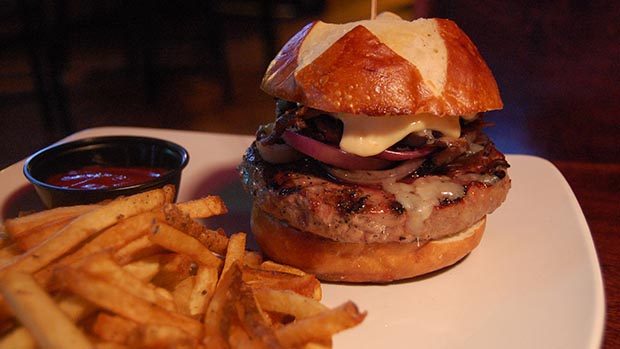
(360, 74)
(359, 262)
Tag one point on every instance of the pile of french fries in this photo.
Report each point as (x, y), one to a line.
(144, 272)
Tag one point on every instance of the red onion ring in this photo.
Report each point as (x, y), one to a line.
(332, 155)
(394, 155)
(376, 177)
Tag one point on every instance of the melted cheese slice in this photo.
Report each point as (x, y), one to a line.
(368, 136)
(418, 41)
(420, 198)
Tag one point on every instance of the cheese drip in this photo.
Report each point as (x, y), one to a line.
(367, 136)
(420, 198)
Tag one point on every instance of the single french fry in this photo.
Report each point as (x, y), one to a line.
(8, 252)
(32, 237)
(215, 241)
(140, 248)
(181, 294)
(102, 266)
(161, 336)
(175, 267)
(306, 285)
(324, 344)
(254, 320)
(217, 319)
(239, 338)
(36, 310)
(123, 303)
(321, 326)
(204, 207)
(113, 328)
(18, 338)
(288, 302)
(170, 193)
(271, 265)
(252, 259)
(144, 269)
(204, 286)
(83, 228)
(5, 238)
(16, 226)
(177, 241)
(73, 307)
(109, 345)
(235, 251)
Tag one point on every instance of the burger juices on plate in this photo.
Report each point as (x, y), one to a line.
(376, 167)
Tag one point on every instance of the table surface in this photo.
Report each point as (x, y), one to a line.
(596, 187)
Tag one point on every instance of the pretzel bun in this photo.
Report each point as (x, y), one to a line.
(386, 66)
(331, 260)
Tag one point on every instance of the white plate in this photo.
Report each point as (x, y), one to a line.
(534, 281)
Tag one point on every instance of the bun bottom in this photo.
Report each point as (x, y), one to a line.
(359, 262)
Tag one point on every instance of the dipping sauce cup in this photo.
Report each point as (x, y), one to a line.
(94, 169)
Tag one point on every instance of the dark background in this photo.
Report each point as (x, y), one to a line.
(197, 65)
(69, 65)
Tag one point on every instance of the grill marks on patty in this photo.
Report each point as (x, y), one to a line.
(302, 195)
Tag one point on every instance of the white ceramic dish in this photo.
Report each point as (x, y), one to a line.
(534, 281)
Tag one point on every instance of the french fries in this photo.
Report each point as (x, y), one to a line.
(81, 229)
(320, 326)
(113, 328)
(202, 290)
(175, 240)
(39, 313)
(141, 272)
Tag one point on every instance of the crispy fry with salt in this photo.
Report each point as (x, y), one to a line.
(144, 269)
(175, 240)
(212, 239)
(202, 290)
(288, 302)
(220, 311)
(32, 237)
(20, 338)
(306, 285)
(8, 252)
(38, 312)
(123, 303)
(113, 328)
(235, 250)
(175, 268)
(140, 248)
(252, 259)
(5, 239)
(102, 266)
(321, 326)
(17, 226)
(83, 228)
(73, 307)
(271, 265)
(117, 237)
(161, 336)
(181, 294)
(253, 320)
(204, 207)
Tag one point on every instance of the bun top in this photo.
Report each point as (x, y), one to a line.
(386, 66)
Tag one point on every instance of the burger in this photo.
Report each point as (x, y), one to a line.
(376, 167)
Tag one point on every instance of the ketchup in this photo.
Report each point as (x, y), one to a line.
(102, 177)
